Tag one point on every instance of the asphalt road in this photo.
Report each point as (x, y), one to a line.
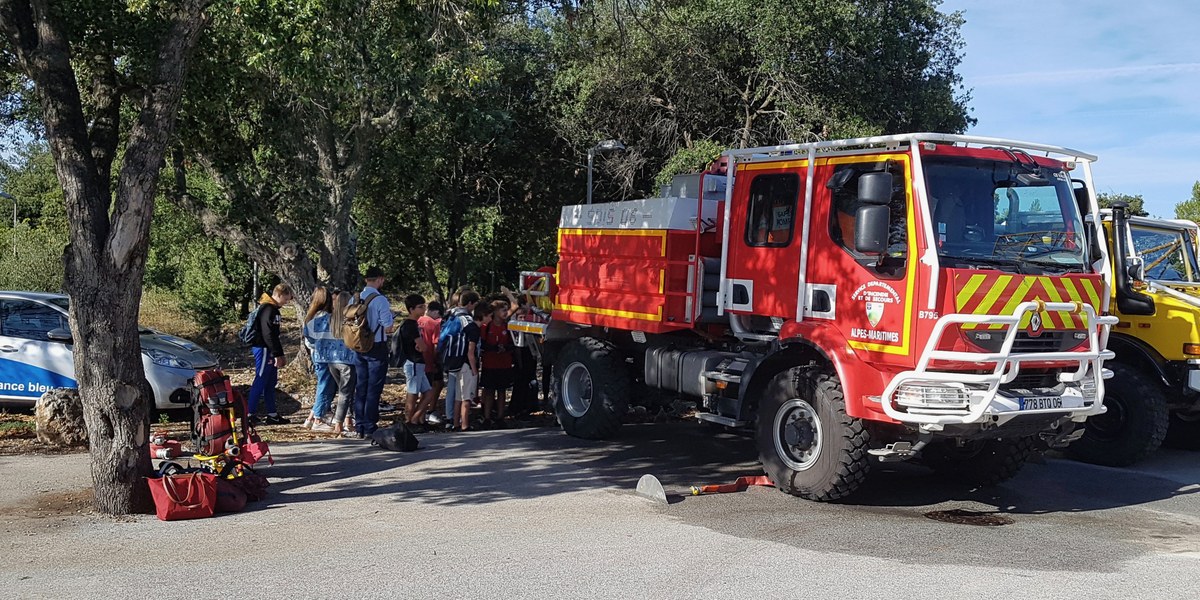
(532, 513)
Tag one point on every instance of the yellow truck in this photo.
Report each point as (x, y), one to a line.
(1153, 398)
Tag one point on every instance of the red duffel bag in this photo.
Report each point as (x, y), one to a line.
(186, 496)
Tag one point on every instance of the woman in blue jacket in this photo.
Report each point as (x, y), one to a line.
(333, 362)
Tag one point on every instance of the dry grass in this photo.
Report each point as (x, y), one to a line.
(160, 311)
(17, 426)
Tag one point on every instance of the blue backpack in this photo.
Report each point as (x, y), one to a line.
(249, 332)
(452, 340)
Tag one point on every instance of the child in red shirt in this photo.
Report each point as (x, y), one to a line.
(496, 375)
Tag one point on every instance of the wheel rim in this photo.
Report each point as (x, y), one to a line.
(798, 434)
(1108, 426)
(577, 389)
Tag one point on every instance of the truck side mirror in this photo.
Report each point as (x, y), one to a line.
(1136, 269)
(875, 188)
(1094, 233)
(871, 228)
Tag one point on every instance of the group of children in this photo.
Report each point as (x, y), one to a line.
(467, 352)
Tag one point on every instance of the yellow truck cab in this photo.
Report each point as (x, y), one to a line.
(1154, 397)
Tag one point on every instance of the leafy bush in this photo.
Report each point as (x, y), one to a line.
(38, 264)
(689, 160)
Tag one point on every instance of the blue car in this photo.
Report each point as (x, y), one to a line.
(36, 353)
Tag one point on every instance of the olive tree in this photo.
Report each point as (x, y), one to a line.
(106, 79)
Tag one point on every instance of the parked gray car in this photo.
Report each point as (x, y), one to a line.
(36, 353)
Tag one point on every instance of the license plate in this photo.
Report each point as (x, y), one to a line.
(1050, 403)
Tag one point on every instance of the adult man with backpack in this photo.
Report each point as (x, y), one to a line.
(368, 322)
(262, 333)
(459, 335)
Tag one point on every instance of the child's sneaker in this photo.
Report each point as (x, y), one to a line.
(322, 427)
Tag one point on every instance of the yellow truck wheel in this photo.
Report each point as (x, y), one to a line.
(1134, 425)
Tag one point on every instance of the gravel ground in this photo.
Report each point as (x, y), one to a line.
(532, 513)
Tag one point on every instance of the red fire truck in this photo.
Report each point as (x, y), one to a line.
(921, 296)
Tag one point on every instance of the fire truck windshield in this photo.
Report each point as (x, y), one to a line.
(1004, 214)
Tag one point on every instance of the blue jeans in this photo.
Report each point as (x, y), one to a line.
(265, 378)
(452, 393)
(370, 372)
(326, 388)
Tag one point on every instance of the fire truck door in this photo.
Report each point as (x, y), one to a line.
(874, 294)
(764, 242)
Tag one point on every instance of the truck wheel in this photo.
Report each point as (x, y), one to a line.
(980, 462)
(1133, 427)
(806, 442)
(1183, 433)
(590, 388)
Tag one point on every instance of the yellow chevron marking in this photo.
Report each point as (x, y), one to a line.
(969, 290)
(1075, 296)
(1093, 297)
(1016, 298)
(1052, 291)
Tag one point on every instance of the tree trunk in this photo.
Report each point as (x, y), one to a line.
(106, 257)
(112, 385)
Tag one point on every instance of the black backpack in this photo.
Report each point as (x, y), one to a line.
(395, 437)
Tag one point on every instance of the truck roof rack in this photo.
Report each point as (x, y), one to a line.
(895, 141)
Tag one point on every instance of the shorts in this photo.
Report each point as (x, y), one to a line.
(468, 385)
(415, 380)
(496, 379)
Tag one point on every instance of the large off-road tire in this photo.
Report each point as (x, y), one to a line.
(806, 442)
(980, 462)
(1183, 433)
(590, 386)
(1134, 425)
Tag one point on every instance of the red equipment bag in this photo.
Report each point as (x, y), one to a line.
(254, 485)
(253, 447)
(215, 409)
(188, 496)
(231, 497)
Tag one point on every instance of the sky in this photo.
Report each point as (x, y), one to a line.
(1117, 79)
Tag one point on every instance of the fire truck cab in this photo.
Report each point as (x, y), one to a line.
(920, 296)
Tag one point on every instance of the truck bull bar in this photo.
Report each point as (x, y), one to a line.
(957, 398)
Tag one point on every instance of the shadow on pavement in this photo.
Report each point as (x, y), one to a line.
(484, 467)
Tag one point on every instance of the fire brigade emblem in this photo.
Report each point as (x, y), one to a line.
(1035, 325)
(874, 312)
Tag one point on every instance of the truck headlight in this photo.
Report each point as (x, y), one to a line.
(932, 396)
(164, 359)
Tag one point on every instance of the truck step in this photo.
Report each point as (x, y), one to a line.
(719, 420)
(722, 376)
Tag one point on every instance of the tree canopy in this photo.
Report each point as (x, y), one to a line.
(1135, 201)
(1190, 209)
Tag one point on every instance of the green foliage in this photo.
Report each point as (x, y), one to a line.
(659, 75)
(38, 264)
(211, 278)
(1190, 209)
(42, 231)
(458, 128)
(689, 160)
(1135, 202)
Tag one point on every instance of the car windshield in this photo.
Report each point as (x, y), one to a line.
(1012, 215)
(65, 304)
(1166, 254)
